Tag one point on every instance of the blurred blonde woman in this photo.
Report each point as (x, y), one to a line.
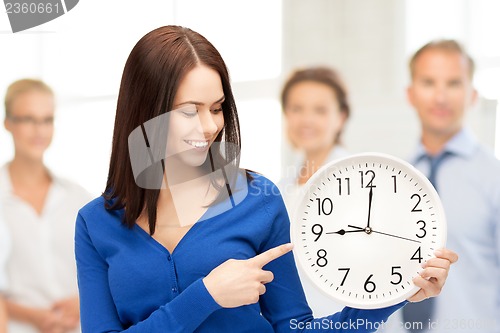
(39, 211)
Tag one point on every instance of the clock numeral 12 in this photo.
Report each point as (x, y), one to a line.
(325, 209)
(395, 188)
(370, 183)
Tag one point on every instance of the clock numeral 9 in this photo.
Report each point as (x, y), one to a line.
(370, 285)
(417, 255)
(317, 230)
(416, 209)
(399, 276)
(423, 229)
(321, 261)
(327, 208)
(370, 183)
(348, 181)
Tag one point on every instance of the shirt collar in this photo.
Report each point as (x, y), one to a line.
(461, 144)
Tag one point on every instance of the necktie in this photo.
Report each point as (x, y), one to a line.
(419, 315)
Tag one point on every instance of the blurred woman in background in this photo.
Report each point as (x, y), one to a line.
(39, 210)
(4, 251)
(316, 108)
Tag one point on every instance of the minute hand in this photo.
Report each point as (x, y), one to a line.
(370, 197)
(383, 233)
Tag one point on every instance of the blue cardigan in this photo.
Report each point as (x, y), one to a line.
(128, 282)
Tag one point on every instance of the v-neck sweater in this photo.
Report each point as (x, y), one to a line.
(129, 282)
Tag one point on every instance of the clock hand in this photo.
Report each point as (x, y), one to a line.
(342, 232)
(370, 197)
(355, 227)
(369, 231)
(408, 239)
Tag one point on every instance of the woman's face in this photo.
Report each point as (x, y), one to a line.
(313, 116)
(197, 116)
(30, 122)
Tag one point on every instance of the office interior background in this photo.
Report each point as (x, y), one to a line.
(82, 54)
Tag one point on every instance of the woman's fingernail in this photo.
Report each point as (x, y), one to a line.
(438, 253)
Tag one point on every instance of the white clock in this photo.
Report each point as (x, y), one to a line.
(363, 227)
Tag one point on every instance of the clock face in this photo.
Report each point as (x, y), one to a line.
(363, 228)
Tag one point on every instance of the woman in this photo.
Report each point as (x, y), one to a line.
(39, 209)
(180, 238)
(316, 108)
(4, 251)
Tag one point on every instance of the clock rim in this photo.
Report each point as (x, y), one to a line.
(306, 189)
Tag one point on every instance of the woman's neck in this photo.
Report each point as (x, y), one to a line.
(28, 172)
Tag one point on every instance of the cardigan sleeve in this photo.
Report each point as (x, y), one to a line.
(284, 303)
(97, 309)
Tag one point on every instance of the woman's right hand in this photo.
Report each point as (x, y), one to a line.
(241, 282)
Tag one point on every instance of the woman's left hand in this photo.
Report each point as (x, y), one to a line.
(434, 275)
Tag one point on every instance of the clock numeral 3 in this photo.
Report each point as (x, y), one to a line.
(423, 229)
(317, 232)
(417, 255)
(321, 261)
(327, 208)
(399, 276)
(416, 209)
(370, 285)
(370, 183)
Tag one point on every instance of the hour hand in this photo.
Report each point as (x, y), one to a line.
(343, 232)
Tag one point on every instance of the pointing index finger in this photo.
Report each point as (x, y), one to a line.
(266, 257)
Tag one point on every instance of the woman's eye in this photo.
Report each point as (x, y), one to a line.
(217, 110)
(189, 114)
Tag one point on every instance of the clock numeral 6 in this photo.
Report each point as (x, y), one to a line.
(370, 285)
(325, 206)
(399, 276)
(321, 261)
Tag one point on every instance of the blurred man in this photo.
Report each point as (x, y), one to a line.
(467, 178)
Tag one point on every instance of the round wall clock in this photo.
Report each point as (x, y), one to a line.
(363, 227)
